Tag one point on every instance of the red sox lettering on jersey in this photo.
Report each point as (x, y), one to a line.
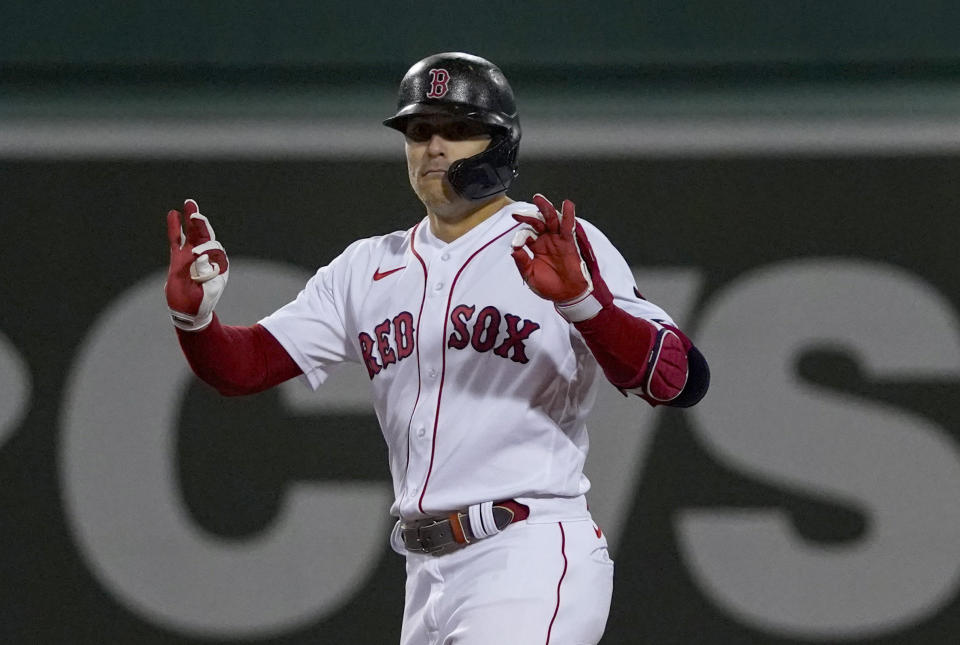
(392, 340)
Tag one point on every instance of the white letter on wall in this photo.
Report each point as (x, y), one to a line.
(122, 499)
(14, 388)
(762, 420)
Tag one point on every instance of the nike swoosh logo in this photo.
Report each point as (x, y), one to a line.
(596, 529)
(377, 275)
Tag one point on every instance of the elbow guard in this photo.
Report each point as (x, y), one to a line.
(676, 373)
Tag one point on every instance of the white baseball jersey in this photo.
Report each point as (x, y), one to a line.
(481, 388)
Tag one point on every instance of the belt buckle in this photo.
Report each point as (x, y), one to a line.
(426, 541)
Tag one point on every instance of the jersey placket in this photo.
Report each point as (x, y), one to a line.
(440, 266)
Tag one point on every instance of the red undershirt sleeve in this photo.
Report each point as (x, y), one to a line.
(621, 343)
(237, 360)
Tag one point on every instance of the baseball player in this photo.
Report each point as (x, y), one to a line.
(482, 328)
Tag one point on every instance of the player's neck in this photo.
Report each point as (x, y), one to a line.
(450, 226)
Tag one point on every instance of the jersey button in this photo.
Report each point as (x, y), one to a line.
(421, 431)
(445, 257)
(438, 286)
(432, 373)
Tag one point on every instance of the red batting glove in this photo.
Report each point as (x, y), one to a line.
(557, 262)
(198, 269)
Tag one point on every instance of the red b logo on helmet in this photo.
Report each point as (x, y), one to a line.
(438, 83)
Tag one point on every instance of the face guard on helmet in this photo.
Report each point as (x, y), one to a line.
(469, 87)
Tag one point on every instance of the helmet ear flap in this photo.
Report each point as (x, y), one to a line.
(489, 172)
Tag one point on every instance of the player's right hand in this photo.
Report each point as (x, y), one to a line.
(198, 269)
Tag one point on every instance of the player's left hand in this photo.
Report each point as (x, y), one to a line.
(557, 262)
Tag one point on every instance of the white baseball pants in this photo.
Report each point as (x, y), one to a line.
(533, 584)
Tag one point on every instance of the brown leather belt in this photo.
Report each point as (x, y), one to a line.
(441, 535)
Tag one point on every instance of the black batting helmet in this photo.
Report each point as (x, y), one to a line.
(471, 87)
